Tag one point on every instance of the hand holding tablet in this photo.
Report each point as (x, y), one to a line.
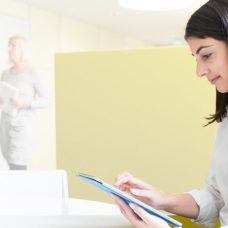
(127, 198)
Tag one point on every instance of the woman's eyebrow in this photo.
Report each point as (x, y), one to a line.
(200, 48)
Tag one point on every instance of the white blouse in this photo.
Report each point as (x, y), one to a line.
(213, 199)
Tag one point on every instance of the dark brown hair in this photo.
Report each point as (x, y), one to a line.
(211, 20)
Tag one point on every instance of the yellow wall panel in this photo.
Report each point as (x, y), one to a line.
(136, 110)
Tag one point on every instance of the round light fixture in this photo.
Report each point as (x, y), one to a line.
(155, 5)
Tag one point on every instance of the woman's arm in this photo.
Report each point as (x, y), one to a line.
(181, 204)
(43, 98)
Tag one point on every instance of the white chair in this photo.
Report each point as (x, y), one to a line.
(33, 192)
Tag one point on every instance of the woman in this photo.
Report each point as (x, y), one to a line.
(207, 36)
(18, 132)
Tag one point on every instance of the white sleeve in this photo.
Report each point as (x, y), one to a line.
(209, 201)
(42, 95)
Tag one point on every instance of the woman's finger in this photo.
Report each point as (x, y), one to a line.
(150, 220)
(128, 212)
(122, 175)
(132, 182)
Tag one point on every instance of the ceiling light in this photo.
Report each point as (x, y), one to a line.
(156, 5)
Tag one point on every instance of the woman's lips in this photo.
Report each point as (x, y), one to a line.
(213, 80)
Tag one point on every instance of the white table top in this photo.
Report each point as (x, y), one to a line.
(53, 213)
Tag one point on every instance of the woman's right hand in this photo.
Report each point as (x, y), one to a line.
(138, 217)
(141, 190)
(19, 103)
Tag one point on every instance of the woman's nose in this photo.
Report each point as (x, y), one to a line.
(9, 49)
(201, 70)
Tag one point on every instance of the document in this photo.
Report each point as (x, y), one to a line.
(7, 92)
(127, 198)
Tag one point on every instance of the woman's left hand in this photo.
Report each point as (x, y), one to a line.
(138, 217)
(19, 103)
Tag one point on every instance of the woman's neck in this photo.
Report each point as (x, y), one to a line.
(18, 68)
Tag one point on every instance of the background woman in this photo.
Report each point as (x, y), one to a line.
(18, 133)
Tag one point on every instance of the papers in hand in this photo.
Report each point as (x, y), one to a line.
(7, 92)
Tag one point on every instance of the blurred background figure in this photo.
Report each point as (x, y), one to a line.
(18, 131)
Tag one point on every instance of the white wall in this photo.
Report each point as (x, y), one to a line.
(50, 33)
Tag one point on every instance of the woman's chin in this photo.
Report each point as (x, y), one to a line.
(222, 90)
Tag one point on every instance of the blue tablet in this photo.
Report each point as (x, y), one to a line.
(127, 198)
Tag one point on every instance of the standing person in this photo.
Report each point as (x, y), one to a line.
(18, 133)
(207, 36)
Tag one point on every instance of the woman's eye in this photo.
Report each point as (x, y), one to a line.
(207, 56)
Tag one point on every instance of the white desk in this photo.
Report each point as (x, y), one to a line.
(49, 213)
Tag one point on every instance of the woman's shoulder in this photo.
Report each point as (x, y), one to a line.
(6, 73)
(223, 125)
(33, 72)
(7, 70)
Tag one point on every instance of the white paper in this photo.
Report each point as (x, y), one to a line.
(7, 92)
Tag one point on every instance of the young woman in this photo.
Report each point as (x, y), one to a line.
(207, 36)
(18, 132)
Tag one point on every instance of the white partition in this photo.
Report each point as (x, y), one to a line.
(34, 184)
(33, 192)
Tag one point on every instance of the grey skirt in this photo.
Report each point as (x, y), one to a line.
(18, 136)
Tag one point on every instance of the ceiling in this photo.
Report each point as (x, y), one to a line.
(154, 28)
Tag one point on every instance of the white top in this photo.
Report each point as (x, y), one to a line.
(213, 199)
(7, 92)
(18, 133)
(30, 85)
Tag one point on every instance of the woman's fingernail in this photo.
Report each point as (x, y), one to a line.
(134, 191)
